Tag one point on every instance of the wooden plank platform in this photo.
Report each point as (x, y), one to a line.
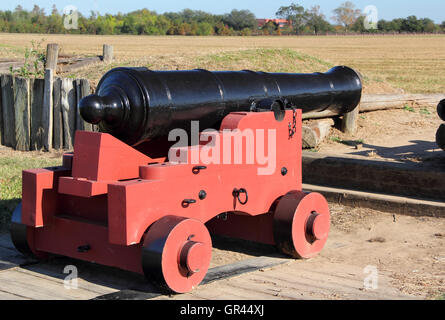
(297, 280)
(267, 278)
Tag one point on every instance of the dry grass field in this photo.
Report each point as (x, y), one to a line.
(388, 63)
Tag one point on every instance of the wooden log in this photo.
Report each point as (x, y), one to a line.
(52, 54)
(68, 104)
(441, 109)
(47, 115)
(57, 115)
(391, 101)
(7, 85)
(78, 65)
(349, 121)
(314, 133)
(22, 114)
(440, 137)
(6, 66)
(377, 102)
(319, 115)
(37, 87)
(107, 53)
(83, 90)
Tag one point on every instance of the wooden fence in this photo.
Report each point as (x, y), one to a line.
(41, 114)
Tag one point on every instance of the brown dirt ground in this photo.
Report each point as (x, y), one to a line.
(392, 135)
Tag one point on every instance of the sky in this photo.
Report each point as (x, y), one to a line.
(387, 9)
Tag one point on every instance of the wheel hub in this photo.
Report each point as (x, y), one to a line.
(192, 256)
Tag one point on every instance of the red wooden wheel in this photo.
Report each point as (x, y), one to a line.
(176, 253)
(301, 224)
(22, 236)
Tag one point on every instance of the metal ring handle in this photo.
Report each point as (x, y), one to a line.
(236, 193)
(197, 169)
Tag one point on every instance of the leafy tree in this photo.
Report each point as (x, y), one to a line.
(346, 14)
(54, 21)
(246, 32)
(240, 19)
(294, 14)
(411, 24)
(222, 29)
(429, 26)
(316, 21)
(359, 25)
(205, 29)
(270, 28)
(196, 22)
(390, 26)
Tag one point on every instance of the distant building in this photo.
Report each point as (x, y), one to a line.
(280, 22)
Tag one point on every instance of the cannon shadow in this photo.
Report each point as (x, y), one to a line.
(417, 151)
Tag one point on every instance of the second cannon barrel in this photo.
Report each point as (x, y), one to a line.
(138, 104)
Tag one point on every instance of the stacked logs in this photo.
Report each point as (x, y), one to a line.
(440, 135)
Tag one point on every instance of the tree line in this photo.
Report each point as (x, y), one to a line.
(348, 19)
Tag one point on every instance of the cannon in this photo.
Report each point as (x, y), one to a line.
(181, 156)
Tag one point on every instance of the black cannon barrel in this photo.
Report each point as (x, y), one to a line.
(137, 104)
(441, 109)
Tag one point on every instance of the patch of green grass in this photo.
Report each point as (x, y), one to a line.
(425, 111)
(336, 139)
(408, 108)
(11, 181)
(347, 142)
(268, 60)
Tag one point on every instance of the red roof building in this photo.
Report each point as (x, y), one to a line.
(280, 22)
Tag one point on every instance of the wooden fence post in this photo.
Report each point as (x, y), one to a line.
(82, 90)
(47, 114)
(68, 103)
(7, 84)
(22, 114)
(349, 122)
(57, 115)
(52, 54)
(107, 53)
(79, 120)
(36, 95)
